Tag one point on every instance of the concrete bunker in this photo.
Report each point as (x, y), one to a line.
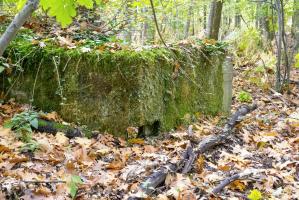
(150, 88)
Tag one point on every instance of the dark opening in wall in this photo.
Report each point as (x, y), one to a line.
(149, 130)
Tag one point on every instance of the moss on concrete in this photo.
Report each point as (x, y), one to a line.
(112, 91)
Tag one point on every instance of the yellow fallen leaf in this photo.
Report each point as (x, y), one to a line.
(261, 144)
(271, 133)
(52, 116)
(17, 159)
(224, 168)
(139, 141)
(255, 195)
(200, 163)
(4, 149)
(237, 185)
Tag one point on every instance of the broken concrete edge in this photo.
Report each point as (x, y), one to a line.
(109, 91)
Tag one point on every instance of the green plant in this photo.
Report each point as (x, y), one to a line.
(212, 47)
(73, 185)
(244, 96)
(30, 146)
(259, 69)
(22, 125)
(297, 61)
(64, 11)
(255, 195)
(249, 42)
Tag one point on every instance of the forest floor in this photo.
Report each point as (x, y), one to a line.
(266, 141)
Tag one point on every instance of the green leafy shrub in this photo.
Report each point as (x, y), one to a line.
(244, 96)
(259, 69)
(246, 46)
(21, 124)
(212, 47)
(249, 42)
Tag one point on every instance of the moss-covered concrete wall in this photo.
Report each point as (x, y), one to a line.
(111, 91)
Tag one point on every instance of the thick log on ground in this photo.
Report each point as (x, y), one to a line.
(157, 178)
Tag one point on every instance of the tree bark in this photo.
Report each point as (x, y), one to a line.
(278, 82)
(145, 27)
(204, 17)
(257, 14)
(242, 175)
(264, 24)
(176, 20)
(214, 19)
(237, 16)
(188, 22)
(17, 23)
(295, 26)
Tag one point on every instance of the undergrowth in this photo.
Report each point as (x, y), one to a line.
(22, 125)
(297, 61)
(244, 96)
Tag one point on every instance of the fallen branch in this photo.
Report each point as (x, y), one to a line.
(48, 181)
(286, 101)
(157, 178)
(294, 82)
(227, 181)
(214, 140)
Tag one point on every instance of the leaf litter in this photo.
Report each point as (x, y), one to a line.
(107, 167)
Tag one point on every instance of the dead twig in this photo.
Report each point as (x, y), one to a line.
(228, 180)
(286, 101)
(46, 181)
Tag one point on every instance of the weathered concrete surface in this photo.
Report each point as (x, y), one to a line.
(112, 91)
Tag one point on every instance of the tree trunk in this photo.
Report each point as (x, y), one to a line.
(17, 23)
(129, 15)
(257, 14)
(295, 26)
(264, 24)
(204, 17)
(188, 22)
(278, 82)
(281, 43)
(237, 21)
(214, 19)
(193, 25)
(176, 20)
(145, 26)
(237, 16)
(286, 77)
